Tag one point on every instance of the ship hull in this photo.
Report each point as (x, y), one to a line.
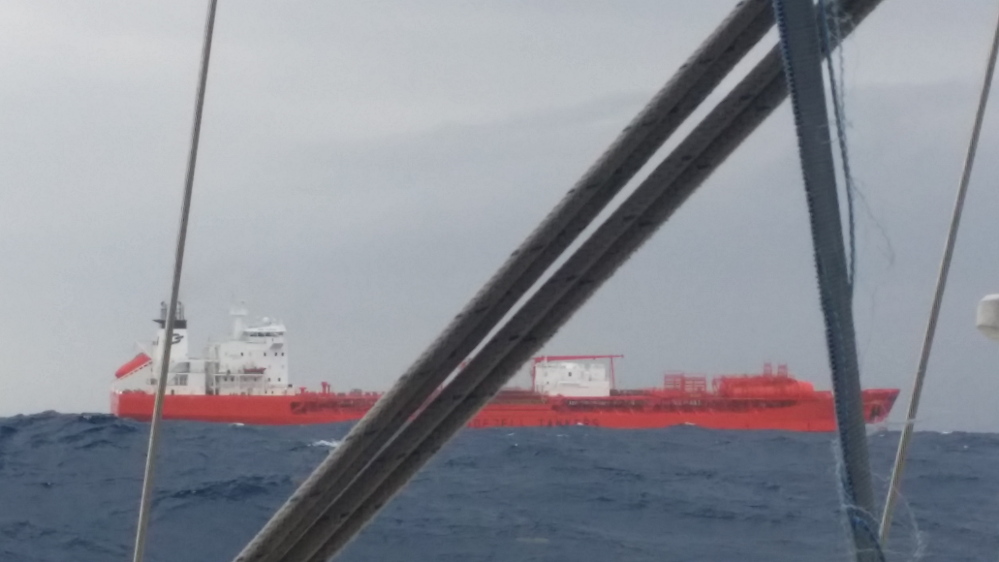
(813, 413)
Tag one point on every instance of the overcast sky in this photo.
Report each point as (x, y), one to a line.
(366, 166)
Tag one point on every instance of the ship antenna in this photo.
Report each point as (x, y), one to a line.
(147, 480)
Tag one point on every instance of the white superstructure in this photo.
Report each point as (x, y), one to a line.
(252, 361)
(571, 379)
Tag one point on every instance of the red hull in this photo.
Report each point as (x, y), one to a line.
(811, 412)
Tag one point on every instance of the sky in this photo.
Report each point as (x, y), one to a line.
(365, 167)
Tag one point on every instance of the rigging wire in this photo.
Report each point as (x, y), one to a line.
(312, 493)
(924, 356)
(167, 339)
(632, 224)
(652, 203)
(599, 185)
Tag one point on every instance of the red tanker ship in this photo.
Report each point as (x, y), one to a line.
(245, 380)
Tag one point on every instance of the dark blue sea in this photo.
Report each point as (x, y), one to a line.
(70, 485)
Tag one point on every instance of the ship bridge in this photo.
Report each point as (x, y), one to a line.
(252, 361)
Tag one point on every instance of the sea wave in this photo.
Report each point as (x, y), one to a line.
(70, 486)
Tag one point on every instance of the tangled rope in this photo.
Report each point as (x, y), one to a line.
(802, 56)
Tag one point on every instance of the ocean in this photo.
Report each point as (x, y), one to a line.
(70, 486)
